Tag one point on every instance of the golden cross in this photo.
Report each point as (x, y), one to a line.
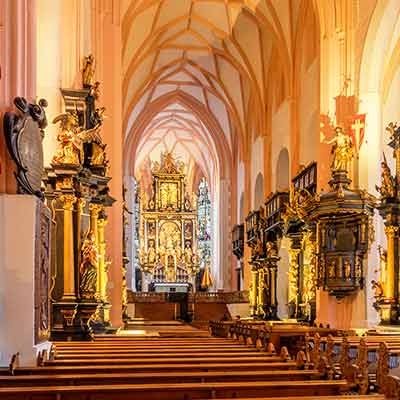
(357, 126)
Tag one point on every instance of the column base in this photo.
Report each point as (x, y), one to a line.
(388, 312)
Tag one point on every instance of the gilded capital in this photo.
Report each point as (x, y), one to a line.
(95, 208)
(391, 230)
(68, 200)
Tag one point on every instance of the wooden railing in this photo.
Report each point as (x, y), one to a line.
(197, 297)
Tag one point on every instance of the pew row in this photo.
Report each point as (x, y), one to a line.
(177, 391)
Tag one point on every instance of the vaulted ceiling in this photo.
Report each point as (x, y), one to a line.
(185, 61)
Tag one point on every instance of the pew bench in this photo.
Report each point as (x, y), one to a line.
(343, 397)
(166, 354)
(176, 391)
(255, 358)
(160, 377)
(388, 373)
(166, 367)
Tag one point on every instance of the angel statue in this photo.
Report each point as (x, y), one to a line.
(70, 149)
(342, 151)
(88, 268)
(88, 71)
(387, 188)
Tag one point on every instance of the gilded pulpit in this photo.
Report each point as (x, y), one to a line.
(168, 233)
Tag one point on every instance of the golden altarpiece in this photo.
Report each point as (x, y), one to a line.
(168, 232)
(77, 192)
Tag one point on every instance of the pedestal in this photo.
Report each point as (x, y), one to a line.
(20, 331)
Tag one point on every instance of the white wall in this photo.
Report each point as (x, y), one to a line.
(17, 260)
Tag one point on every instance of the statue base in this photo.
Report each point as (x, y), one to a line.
(70, 320)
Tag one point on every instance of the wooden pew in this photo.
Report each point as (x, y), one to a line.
(189, 367)
(343, 397)
(177, 391)
(166, 360)
(354, 358)
(388, 372)
(161, 377)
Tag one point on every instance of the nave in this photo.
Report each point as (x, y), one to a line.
(241, 360)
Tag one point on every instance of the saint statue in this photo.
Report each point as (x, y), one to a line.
(151, 253)
(88, 71)
(88, 268)
(387, 188)
(342, 151)
(188, 254)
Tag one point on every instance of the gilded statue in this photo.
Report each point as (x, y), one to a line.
(382, 265)
(88, 267)
(332, 269)
(168, 194)
(347, 269)
(88, 70)
(99, 156)
(188, 254)
(342, 151)
(387, 188)
(70, 148)
(272, 251)
(151, 253)
(95, 90)
(378, 290)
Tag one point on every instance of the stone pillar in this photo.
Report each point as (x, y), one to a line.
(69, 291)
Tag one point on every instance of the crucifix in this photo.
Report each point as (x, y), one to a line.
(357, 127)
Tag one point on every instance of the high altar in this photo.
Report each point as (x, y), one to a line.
(168, 233)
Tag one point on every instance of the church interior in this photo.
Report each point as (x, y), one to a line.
(199, 199)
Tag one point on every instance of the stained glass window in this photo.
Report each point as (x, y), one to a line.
(204, 224)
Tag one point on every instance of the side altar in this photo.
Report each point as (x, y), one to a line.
(168, 229)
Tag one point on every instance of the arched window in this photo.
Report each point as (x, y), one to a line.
(282, 170)
(204, 223)
(259, 191)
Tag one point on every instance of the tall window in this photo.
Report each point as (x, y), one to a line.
(135, 235)
(204, 221)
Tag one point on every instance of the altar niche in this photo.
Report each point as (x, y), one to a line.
(168, 231)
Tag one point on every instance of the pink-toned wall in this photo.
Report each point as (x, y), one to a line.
(106, 41)
(17, 70)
